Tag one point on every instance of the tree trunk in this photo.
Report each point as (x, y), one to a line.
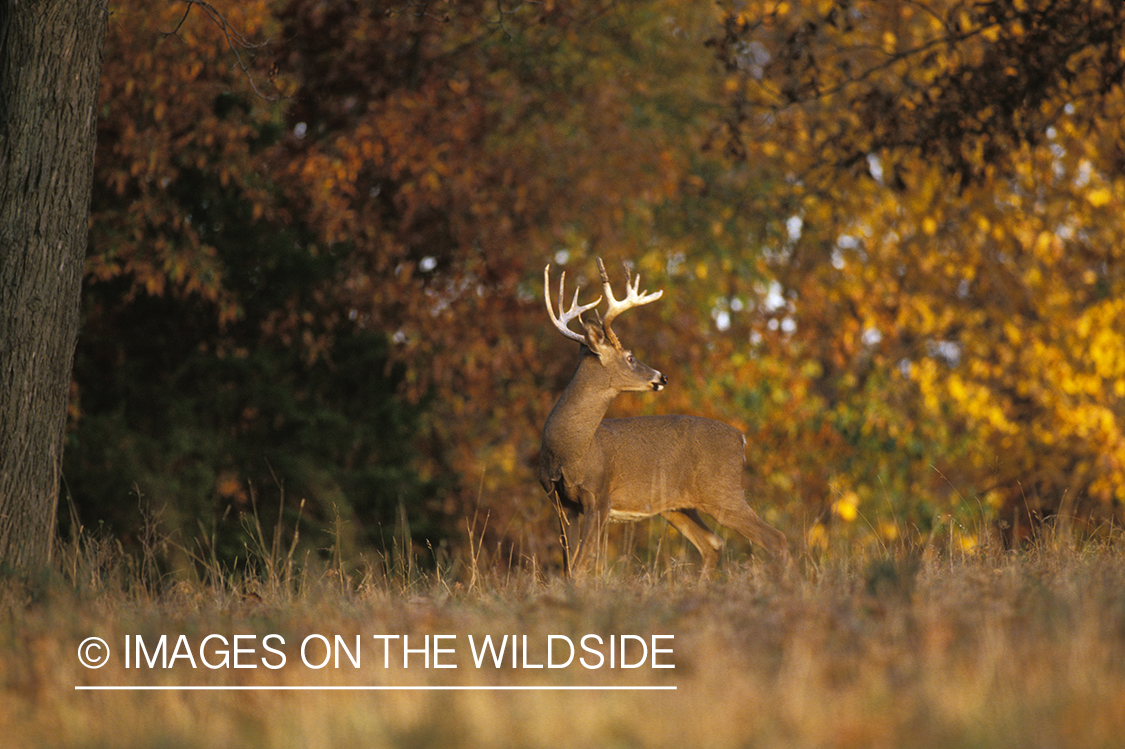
(50, 60)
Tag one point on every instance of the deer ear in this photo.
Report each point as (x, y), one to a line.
(595, 336)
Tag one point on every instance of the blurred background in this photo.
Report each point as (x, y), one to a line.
(890, 237)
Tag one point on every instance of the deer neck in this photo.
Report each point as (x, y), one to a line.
(571, 425)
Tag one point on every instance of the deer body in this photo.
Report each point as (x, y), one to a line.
(631, 469)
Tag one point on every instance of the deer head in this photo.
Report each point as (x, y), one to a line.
(598, 337)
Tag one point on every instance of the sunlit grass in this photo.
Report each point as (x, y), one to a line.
(896, 647)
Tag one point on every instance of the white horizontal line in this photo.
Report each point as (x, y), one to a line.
(149, 688)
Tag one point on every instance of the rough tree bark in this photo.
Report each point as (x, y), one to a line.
(50, 60)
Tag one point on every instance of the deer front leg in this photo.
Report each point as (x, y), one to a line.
(567, 513)
(593, 524)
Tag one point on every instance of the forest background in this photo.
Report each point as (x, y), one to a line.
(890, 237)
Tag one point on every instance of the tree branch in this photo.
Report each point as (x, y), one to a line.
(235, 39)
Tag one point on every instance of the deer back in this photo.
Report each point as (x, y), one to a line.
(653, 464)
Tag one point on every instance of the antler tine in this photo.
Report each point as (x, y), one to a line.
(634, 297)
(562, 321)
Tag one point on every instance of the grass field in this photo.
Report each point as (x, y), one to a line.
(979, 650)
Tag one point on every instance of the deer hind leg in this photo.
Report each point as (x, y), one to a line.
(739, 516)
(691, 525)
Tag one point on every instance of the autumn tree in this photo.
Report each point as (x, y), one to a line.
(403, 195)
(886, 232)
(50, 57)
(460, 150)
(947, 254)
(218, 381)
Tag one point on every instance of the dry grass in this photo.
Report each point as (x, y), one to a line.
(989, 650)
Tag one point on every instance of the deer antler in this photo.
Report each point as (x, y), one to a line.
(563, 320)
(633, 298)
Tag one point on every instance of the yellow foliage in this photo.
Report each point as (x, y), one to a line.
(973, 278)
(1099, 197)
(846, 507)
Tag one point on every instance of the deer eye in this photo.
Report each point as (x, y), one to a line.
(631, 359)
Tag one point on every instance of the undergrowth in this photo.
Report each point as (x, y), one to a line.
(900, 645)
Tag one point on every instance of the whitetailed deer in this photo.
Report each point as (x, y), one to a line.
(634, 468)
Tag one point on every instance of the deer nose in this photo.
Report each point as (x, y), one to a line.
(659, 384)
